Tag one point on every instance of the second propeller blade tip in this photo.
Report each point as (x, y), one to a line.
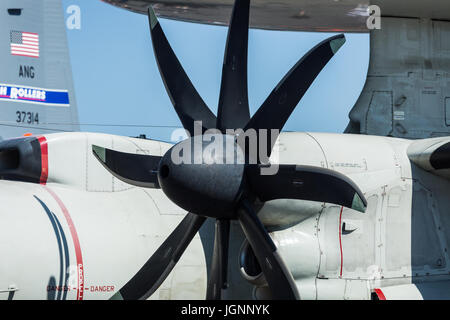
(99, 152)
(337, 43)
(152, 17)
(359, 203)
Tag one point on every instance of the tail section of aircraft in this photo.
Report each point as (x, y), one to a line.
(36, 88)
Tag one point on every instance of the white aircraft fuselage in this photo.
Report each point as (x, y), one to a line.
(82, 234)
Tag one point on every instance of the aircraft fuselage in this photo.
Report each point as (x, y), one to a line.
(83, 234)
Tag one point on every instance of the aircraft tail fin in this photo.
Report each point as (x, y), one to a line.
(36, 87)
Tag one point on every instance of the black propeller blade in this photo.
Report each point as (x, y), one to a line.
(277, 108)
(218, 273)
(226, 191)
(306, 183)
(187, 102)
(158, 267)
(277, 275)
(233, 111)
(135, 169)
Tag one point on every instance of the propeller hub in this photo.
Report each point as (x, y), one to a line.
(204, 175)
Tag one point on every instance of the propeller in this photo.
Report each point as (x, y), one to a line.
(209, 185)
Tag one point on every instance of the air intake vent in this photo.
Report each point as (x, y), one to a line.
(249, 266)
(20, 160)
(9, 159)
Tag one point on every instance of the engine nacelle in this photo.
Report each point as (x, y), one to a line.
(67, 158)
(23, 159)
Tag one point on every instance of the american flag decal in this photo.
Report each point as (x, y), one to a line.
(25, 44)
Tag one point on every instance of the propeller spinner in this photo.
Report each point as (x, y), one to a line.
(211, 186)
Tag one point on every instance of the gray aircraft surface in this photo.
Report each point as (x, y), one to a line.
(346, 216)
(407, 92)
(36, 89)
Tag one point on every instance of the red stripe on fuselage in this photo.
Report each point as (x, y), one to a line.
(340, 241)
(76, 242)
(44, 159)
(380, 294)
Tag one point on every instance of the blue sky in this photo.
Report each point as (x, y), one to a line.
(117, 81)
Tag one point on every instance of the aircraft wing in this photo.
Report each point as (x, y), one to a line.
(294, 15)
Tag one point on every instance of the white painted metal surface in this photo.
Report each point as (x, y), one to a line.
(332, 252)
